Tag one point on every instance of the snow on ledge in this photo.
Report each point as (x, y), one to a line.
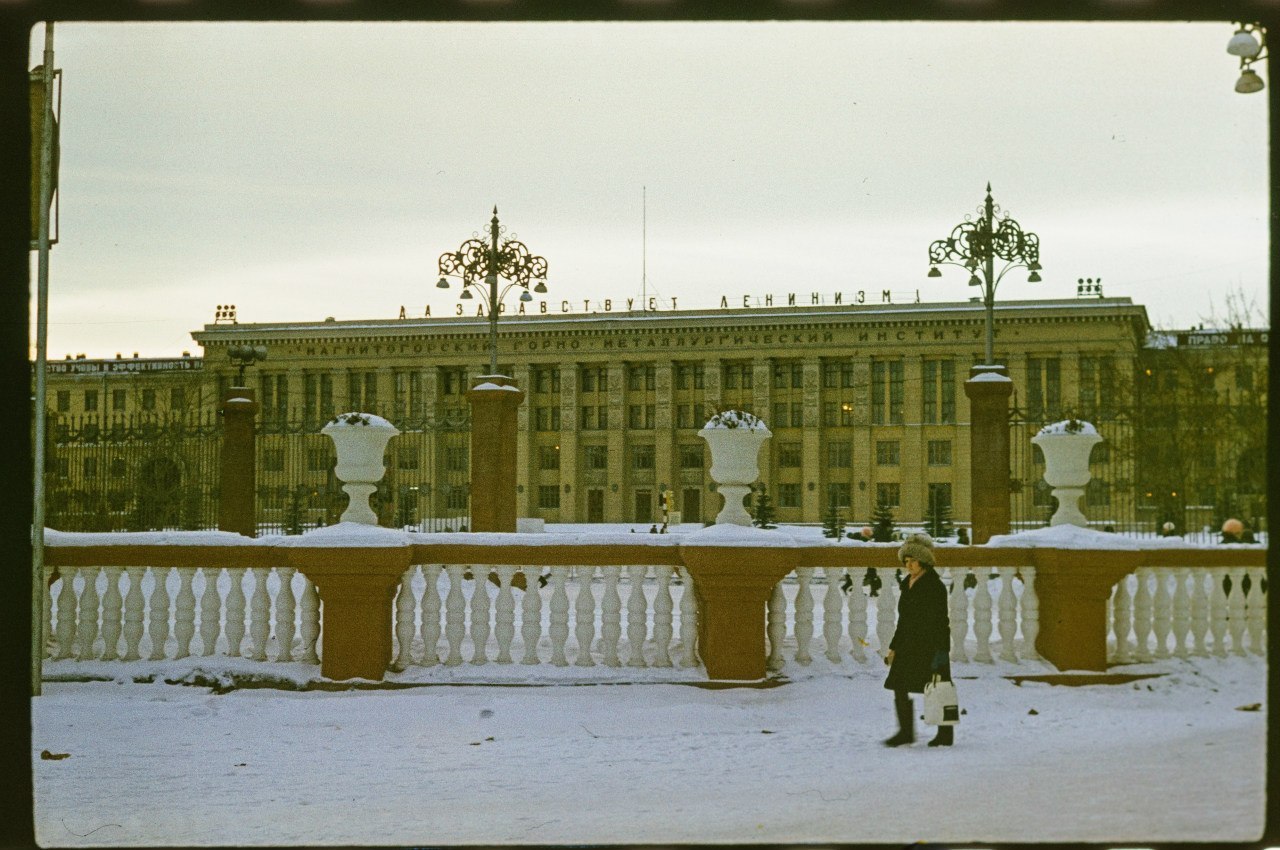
(349, 534)
(738, 535)
(488, 385)
(1064, 537)
(53, 537)
(995, 377)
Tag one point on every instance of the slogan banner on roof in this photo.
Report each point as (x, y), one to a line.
(1207, 339)
(98, 367)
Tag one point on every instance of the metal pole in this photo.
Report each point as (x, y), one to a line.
(42, 327)
(493, 294)
(988, 246)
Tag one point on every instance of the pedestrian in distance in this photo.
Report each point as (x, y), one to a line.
(921, 644)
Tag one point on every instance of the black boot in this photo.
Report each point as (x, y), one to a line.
(906, 723)
(944, 738)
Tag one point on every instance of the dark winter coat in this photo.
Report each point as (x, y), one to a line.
(923, 630)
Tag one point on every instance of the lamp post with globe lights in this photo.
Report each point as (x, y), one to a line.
(480, 262)
(1250, 44)
(976, 245)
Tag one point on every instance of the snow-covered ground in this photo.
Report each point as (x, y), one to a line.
(1162, 759)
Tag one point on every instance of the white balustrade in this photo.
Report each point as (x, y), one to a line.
(1030, 605)
(210, 611)
(531, 612)
(405, 606)
(310, 617)
(1218, 612)
(1199, 612)
(688, 621)
(235, 611)
(1236, 611)
(982, 617)
(1181, 611)
(66, 629)
(286, 614)
(886, 609)
(87, 623)
(662, 619)
(112, 603)
(1122, 618)
(480, 614)
(1162, 620)
(559, 609)
(1007, 607)
(1256, 611)
(637, 617)
(611, 619)
(454, 614)
(259, 614)
(585, 617)
(958, 613)
(431, 615)
(504, 628)
(134, 609)
(832, 609)
(857, 614)
(1142, 617)
(803, 626)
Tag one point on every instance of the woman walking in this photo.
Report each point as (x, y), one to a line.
(921, 643)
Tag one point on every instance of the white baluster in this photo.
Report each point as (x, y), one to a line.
(1162, 622)
(405, 626)
(66, 631)
(958, 614)
(982, 616)
(886, 609)
(47, 623)
(1218, 611)
(662, 621)
(1236, 611)
(1256, 611)
(259, 614)
(431, 615)
(559, 610)
(584, 616)
(87, 627)
(184, 612)
(1007, 606)
(134, 609)
(1142, 616)
(235, 611)
(158, 624)
(857, 614)
(777, 627)
(1122, 609)
(504, 628)
(454, 615)
(803, 626)
(286, 614)
(210, 611)
(1030, 613)
(310, 621)
(111, 611)
(531, 616)
(480, 606)
(688, 621)
(1199, 612)
(637, 617)
(1181, 611)
(832, 609)
(611, 617)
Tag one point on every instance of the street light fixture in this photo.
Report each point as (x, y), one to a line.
(479, 263)
(975, 245)
(1250, 44)
(244, 355)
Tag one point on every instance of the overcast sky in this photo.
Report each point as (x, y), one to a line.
(308, 170)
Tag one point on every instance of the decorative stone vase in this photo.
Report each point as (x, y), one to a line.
(360, 440)
(1066, 446)
(735, 438)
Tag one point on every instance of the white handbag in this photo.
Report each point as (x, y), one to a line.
(941, 708)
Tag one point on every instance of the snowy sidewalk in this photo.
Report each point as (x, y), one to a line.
(1163, 759)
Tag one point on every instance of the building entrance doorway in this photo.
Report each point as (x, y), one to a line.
(691, 505)
(644, 506)
(595, 505)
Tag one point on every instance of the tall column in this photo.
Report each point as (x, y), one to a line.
(761, 386)
(615, 509)
(664, 433)
(812, 502)
(386, 393)
(570, 501)
(237, 465)
(296, 388)
(711, 393)
(493, 454)
(988, 390)
(864, 497)
(341, 393)
(915, 469)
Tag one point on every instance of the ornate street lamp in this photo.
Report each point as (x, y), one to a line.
(480, 263)
(1250, 44)
(976, 245)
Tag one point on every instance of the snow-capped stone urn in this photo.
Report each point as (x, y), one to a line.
(735, 438)
(1066, 446)
(360, 440)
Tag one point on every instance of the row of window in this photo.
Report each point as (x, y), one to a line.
(147, 400)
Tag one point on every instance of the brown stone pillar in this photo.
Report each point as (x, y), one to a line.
(356, 586)
(732, 585)
(988, 390)
(494, 401)
(236, 467)
(1073, 588)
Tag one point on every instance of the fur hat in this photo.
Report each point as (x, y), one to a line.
(918, 546)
